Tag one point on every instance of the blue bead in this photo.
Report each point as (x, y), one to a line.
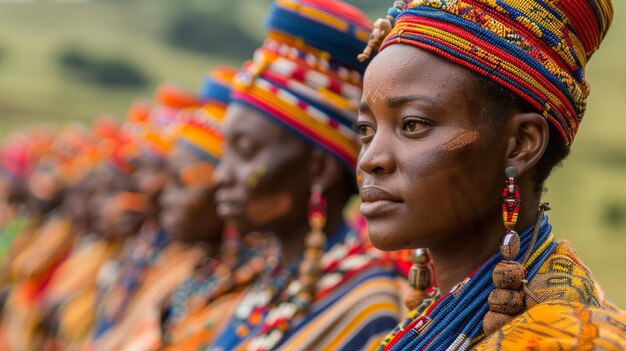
(393, 12)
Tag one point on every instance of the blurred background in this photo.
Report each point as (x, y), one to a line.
(74, 60)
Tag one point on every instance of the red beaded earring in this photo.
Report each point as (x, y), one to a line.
(511, 201)
(507, 299)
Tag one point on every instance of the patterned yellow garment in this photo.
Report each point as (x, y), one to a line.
(572, 314)
(73, 290)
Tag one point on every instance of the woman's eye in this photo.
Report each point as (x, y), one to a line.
(366, 131)
(245, 148)
(414, 126)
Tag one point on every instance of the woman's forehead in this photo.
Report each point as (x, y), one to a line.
(401, 71)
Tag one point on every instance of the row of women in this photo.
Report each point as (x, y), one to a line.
(226, 219)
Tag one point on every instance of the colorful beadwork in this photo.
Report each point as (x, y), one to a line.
(421, 278)
(511, 200)
(301, 291)
(306, 76)
(537, 49)
(454, 321)
(201, 127)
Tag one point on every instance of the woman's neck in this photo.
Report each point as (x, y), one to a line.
(455, 259)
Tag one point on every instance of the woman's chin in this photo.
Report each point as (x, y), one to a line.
(382, 238)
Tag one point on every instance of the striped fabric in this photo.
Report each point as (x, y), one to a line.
(216, 85)
(201, 127)
(355, 315)
(306, 76)
(537, 49)
(356, 304)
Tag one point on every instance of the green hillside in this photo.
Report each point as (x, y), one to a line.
(588, 195)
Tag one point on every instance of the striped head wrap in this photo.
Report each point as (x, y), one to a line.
(537, 49)
(216, 85)
(150, 131)
(306, 76)
(153, 125)
(201, 128)
(23, 150)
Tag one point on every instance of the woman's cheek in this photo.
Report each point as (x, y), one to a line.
(263, 210)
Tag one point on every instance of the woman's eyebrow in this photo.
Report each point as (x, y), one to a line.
(363, 107)
(398, 101)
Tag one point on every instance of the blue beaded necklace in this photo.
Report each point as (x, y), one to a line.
(454, 321)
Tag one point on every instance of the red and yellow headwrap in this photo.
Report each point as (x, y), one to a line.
(538, 49)
(201, 128)
(153, 125)
(306, 76)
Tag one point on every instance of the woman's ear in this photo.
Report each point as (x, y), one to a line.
(529, 135)
(325, 170)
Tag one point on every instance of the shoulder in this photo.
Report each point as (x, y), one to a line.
(561, 325)
(564, 277)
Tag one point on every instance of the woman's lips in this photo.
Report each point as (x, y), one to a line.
(377, 200)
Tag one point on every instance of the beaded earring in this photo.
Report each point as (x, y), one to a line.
(420, 278)
(315, 241)
(382, 27)
(507, 299)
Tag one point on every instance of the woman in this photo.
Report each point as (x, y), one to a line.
(464, 99)
(288, 170)
(189, 212)
(194, 313)
(153, 261)
(15, 219)
(68, 300)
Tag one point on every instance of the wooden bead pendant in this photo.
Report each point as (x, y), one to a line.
(420, 278)
(510, 245)
(494, 321)
(508, 299)
(508, 275)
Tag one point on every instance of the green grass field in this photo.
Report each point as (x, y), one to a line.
(588, 195)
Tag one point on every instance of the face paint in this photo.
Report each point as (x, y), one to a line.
(428, 174)
(459, 138)
(380, 92)
(255, 178)
(266, 209)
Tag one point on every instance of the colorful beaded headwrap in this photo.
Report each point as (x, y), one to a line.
(306, 76)
(201, 128)
(537, 49)
(216, 85)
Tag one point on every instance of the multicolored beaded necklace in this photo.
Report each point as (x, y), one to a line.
(256, 303)
(142, 252)
(214, 278)
(339, 264)
(454, 321)
(272, 297)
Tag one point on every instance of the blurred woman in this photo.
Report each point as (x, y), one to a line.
(288, 170)
(99, 177)
(133, 285)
